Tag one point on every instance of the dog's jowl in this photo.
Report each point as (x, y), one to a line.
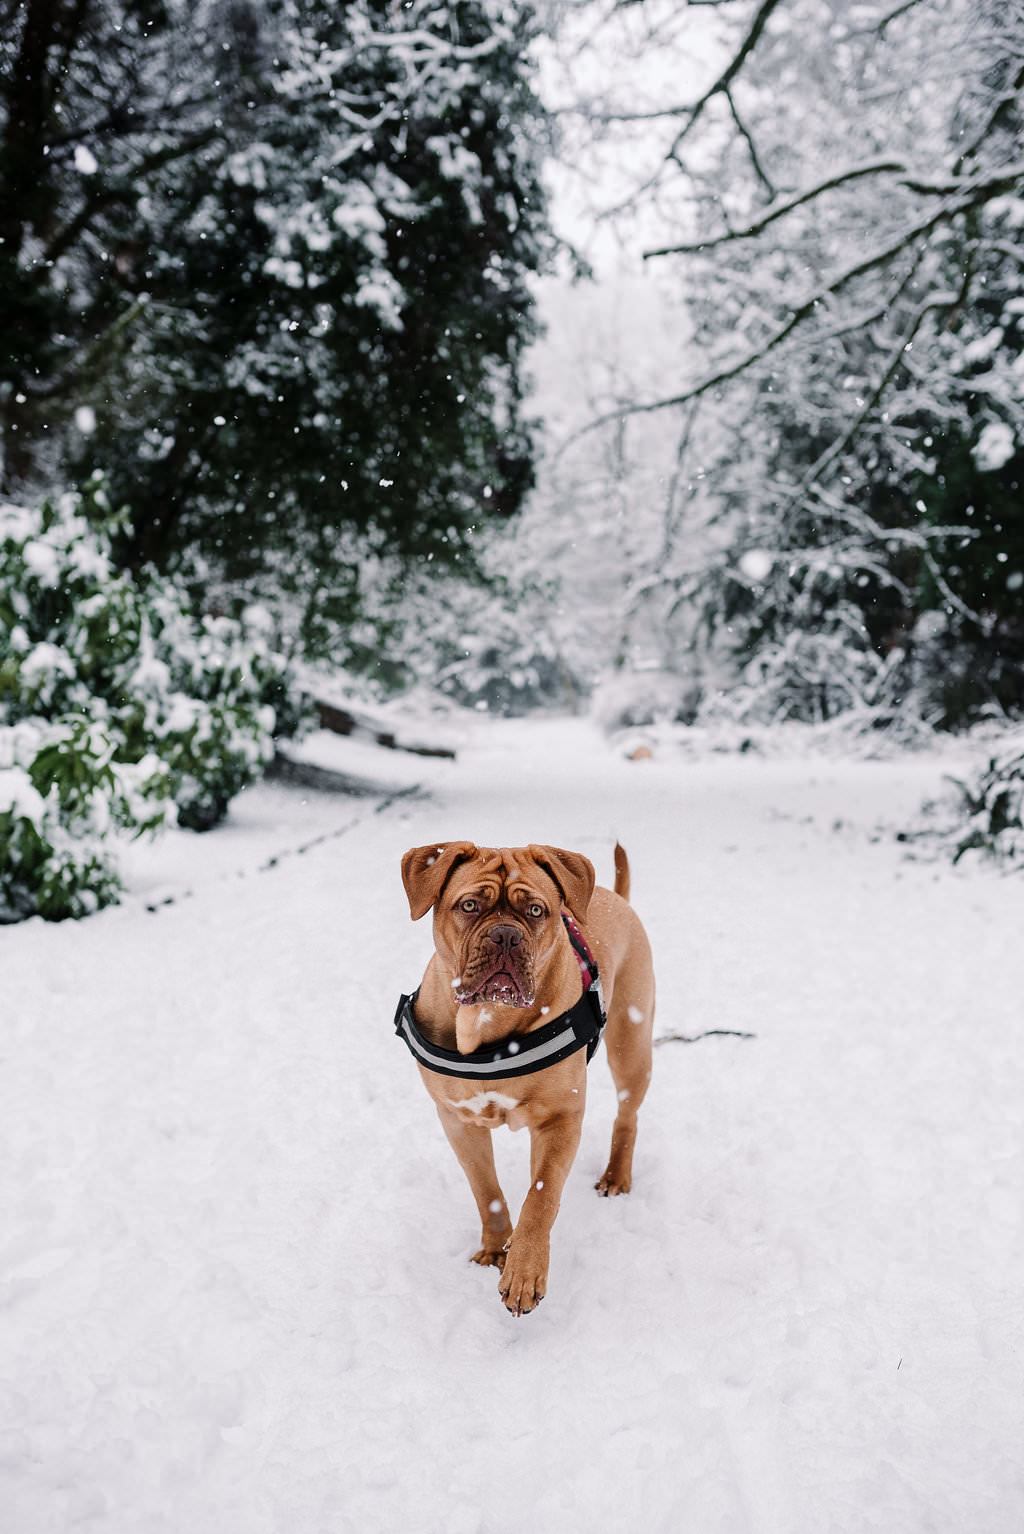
(531, 962)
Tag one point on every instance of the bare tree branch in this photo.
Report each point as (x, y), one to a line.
(748, 139)
(980, 188)
(729, 74)
(771, 215)
(694, 111)
(879, 25)
(798, 314)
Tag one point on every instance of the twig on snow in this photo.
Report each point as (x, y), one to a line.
(695, 1038)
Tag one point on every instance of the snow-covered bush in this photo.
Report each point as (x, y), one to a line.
(506, 678)
(61, 790)
(119, 706)
(493, 646)
(993, 806)
(814, 676)
(628, 699)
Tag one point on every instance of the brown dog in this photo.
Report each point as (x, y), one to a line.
(507, 1016)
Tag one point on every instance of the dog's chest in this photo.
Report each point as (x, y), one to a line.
(487, 1109)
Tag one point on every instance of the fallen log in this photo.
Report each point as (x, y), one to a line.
(341, 721)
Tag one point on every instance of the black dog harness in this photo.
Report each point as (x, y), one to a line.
(519, 1054)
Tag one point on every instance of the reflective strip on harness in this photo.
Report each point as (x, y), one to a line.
(503, 1059)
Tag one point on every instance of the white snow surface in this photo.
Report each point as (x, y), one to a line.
(235, 1295)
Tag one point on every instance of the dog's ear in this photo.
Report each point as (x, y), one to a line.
(572, 872)
(425, 870)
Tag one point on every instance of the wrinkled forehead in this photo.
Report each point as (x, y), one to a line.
(496, 868)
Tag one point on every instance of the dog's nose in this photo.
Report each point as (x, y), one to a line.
(505, 937)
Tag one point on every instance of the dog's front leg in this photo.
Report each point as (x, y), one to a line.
(475, 1151)
(553, 1146)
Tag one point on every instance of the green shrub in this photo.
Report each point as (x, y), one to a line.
(993, 807)
(119, 706)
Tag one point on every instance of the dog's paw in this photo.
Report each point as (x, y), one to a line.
(610, 1183)
(487, 1257)
(524, 1278)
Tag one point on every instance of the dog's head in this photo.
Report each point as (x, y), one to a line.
(497, 912)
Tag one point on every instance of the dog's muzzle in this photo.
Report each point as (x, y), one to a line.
(500, 969)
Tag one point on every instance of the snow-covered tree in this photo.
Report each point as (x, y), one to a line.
(840, 195)
(265, 264)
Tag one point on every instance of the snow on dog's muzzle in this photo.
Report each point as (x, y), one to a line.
(500, 969)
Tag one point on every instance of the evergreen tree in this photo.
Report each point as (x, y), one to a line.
(275, 265)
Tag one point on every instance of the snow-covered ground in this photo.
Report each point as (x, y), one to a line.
(235, 1295)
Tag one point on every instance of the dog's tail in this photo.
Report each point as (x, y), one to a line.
(621, 872)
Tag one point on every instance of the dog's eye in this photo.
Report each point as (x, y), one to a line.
(535, 910)
(469, 906)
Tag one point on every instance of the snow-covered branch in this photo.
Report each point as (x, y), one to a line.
(724, 81)
(780, 209)
(799, 314)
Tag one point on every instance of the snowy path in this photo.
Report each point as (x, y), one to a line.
(234, 1295)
